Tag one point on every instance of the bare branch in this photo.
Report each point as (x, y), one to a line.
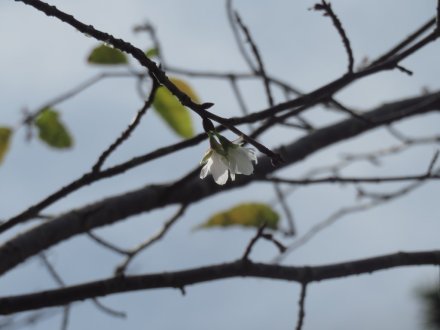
(432, 163)
(66, 317)
(244, 54)
(342, 212)
(106, 244)
(405, 42)
(404, 70)
(127, 132)
(179, 279)
(261, 70)
(252, 242)
(337, 179)
(301, 308)
(326, 7)
(151, 30)
(107, 310)
(76, 90)
(158, 236)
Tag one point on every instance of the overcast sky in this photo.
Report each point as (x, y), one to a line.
(42, 58)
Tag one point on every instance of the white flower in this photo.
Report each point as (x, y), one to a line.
(227, 158)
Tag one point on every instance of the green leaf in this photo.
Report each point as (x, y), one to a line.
(5, 139)
(172, 111)
(245, 215)
(152, 52)
(51, 130)
(106, 55)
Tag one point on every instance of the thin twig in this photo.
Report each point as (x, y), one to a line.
(326, 7)
(301, 306)
(161, 233)
(75, 91)
(239, 97)
(107, 310)
(405, 42)
(66, 309)
(65, 319)
(432, 163)
(252, 242)
(269, 237)
(261, 70)
(244, 54)
(58, 279)
(106, 244)
(151, 30)
(50, 268)
(127, 132)
(337, 179)
(287, 211)
(342, 212)
(404, 70)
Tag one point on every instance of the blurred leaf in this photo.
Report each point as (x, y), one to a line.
(51, 130)
(431, 302)
(172, 111)
(245, 215)
(5, 139)
(106, 55)
(152, 52)
(186, 88)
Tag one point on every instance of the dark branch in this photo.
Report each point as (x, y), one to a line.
(261, 70)
(179, 279)
(326, 7)
(336, 179)
(301, 307)
(127, 132)
(405, 42)
(252, 242)
(244, 54)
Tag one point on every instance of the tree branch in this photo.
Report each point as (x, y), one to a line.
(240, 268)
(328, 11)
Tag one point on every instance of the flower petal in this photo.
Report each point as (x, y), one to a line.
(243, 163)
(206, 169)
(219, 169)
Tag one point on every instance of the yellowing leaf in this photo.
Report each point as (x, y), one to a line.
(245, 215)
(5, 139)
(51, 130)
(106, 55)
(172, 111)
(186, 88)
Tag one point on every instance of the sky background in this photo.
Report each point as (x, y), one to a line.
(42, 58)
